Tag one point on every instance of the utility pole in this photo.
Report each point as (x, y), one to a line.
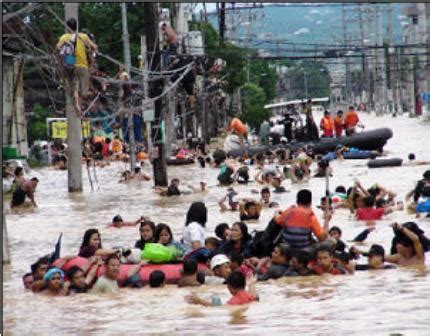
(74, 150)
(380, 67)
(345, 42)
(364, 66)
(144, 67)
(392, 61)
(222, 23)
(155, 89)
(127, 62)
(6, 254)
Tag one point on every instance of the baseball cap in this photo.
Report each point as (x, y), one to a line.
(218, 260)
(284, 139)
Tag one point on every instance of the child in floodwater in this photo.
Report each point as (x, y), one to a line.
(236, 284)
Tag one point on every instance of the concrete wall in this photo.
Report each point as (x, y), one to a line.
(14, 121)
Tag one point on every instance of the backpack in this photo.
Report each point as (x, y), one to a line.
(67, 53)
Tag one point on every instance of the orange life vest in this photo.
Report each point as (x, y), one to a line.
(238, 126)
(116, 146)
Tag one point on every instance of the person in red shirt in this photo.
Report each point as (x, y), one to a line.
(339, 124)
(327, 125)
(370, 213)
(105, 149)
(351, 121)
(326, 264)
(236, 283)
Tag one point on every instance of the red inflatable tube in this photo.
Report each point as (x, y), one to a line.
(172, 271)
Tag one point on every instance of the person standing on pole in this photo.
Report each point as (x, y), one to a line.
(78, 44)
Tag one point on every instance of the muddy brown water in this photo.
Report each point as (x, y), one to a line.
(378, 302)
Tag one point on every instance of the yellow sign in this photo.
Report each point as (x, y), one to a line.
(59, 129)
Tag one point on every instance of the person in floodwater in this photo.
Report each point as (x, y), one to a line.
(412, 161)
(157, 279)
(26, 189)
(236, 283)
(92, 245)
(164, 236)
(277, 265)
(408, 245)
(299, 221)
(233, 201)
(351, 121)
(222, 231)
(81, 282)
(147, 231)
(240, 241)
(175, 190)
(326, 264)
(194, 233)
(421, 190)
(327, 125)
(249, 209)
(108, 282)
(189, 274)
(339, 124)
(54, 280)
(118, 222)
(265, 199)
(27, 280)
(18, 179)
(375, 259)
(298, 265)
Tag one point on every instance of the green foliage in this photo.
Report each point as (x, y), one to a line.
(253, 100)
(264, 75)
(317, 76)
(235, 57)
(36, 124)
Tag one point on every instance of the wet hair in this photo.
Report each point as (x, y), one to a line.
(72, 24)
(400, 237)
(411, 156)
(26, 275)
(236, 280)
(156, 278)
(340, 189)
(285, 250)
(189, 267)
(159, 228)
(369, 201)
(380, 203)
(304, 197)
(87, 237)
(117, 218)
(324, 248)
(111, 257)
(220, 229)
(197, 213)
(35, 179)
(374, 191)
(335, 228)
(72, 271)
(249, 204)
(426, 175)
(376, 250)
(18, 170)
(326, 112)
(211, 240)
(237, 258)
(302, 257)
(108, 140)
(265, 190)
(151, 224)
(244, 229)
(40, 261)
(340, 112)
(351, 107)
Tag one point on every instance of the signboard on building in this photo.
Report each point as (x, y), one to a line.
(426, 96)
(57, 128)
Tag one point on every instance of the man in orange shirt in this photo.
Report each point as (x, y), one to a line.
(327, 125)
(351, 121)
(339, 124)
(299, 221)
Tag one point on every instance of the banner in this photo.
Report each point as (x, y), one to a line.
(58, 128)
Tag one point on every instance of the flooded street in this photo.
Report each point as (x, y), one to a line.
(389, 301)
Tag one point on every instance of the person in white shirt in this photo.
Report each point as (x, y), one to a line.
(193, 235)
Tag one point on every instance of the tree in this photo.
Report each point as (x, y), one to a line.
(264, 75)
(36, 124)
(253, 99)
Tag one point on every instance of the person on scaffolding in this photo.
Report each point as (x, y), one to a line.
(73, 50)
(170, 41)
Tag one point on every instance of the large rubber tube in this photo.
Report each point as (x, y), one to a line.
(172, 271)
(369, 141)
(379, 163)
(179, 162)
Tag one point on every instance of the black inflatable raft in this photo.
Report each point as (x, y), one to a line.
(369, 140)
(179, 162)
(379, 163)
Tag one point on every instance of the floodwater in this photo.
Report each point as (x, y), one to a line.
(379, 302)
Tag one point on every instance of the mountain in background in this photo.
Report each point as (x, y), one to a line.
(321, 23)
